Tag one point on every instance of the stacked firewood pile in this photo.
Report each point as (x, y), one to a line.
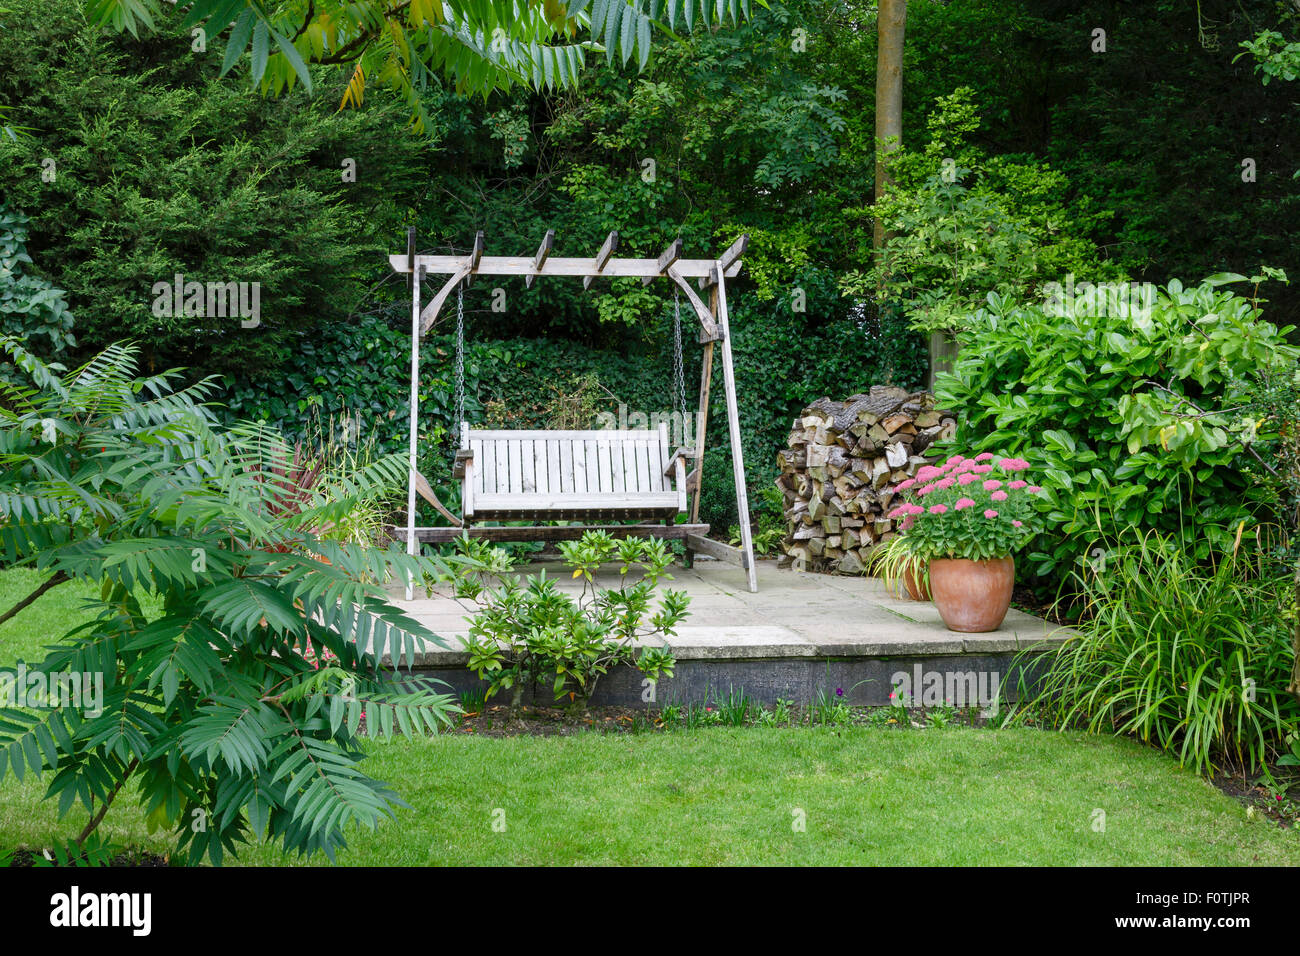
(843, 458)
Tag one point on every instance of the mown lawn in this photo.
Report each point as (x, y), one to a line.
(747, 796)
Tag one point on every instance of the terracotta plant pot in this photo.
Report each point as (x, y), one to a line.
(972, 596)
(915, 583)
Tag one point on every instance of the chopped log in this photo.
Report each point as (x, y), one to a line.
(840, 461)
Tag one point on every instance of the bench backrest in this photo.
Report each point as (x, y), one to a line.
(597, 473)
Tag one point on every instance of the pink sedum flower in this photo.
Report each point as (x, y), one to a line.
(1017, 524)
(955, 460)
(982, 469)
(925, 490)
(1033, 489)
(904, 485)
(964, 503)
(944, 483)
(999, 495)
(990, 513)
(967, 478)
(985, 456)
(927, 472)
(991, 484)
(1017, 484)
(938, 509)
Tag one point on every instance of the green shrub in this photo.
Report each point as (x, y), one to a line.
(1091, 397)
(31, 309)
(536, 633)
(961, 223)
(1192, 657)
(210, 710)
(141, 164)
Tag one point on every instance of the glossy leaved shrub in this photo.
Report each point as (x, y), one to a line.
(1131, 414)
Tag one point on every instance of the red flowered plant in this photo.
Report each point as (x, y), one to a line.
(978, 508)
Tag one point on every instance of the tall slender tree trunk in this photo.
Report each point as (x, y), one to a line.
(891, 27)
(891, 21)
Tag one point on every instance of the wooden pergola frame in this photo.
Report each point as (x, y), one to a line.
(710, 276)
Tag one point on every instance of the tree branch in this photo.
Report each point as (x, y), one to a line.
(57, 579)
(1184, 400)
(108, 802)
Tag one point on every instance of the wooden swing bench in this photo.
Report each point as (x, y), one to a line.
(595, 475)
(622, 475)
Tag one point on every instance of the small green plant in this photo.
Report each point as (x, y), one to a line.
(830, 709)
(896, 711)
(94, 851)
(735, 709)
(894, 561)
(940, 716)
(769, 522)
(881, 717)
(473, 701)
(526, 633)
(1292, 757)
(700, 715)
(671, 715)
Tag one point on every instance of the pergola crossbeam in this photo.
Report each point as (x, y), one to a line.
(475, 256)
(667, 258)
(543, 253)
(729, 261)
(615, 268)
(602, 257)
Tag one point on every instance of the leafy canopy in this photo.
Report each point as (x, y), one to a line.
(480, 45)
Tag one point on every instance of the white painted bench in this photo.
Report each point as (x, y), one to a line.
(570, 475)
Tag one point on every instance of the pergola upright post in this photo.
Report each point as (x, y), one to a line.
(411, 546)
(733, 427)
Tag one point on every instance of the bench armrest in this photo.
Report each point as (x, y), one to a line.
(680, 455)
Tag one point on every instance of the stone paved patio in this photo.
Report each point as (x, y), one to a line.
(793, 616)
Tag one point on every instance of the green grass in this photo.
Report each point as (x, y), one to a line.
(727, 795)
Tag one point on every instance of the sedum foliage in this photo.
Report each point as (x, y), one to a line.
(226, 730)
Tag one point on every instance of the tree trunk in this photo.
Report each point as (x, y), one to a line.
(891, 24)
(891, 19)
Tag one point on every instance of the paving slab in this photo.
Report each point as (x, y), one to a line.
(794, 615)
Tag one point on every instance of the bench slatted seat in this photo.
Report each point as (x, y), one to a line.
(608, 475)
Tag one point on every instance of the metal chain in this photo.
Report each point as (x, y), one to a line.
(460, 364)
(679, 374)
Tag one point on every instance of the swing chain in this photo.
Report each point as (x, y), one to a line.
(679, 374)
(460, 364)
